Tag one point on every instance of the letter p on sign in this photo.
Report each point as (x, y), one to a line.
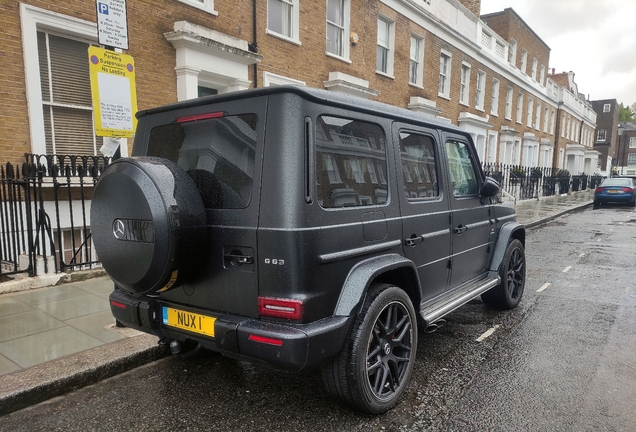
(103, 8)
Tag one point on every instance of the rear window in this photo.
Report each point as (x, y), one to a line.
(217, 153)
(622, 182)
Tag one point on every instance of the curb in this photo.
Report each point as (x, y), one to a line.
(48, 380)
(545, 220)
(25, 283)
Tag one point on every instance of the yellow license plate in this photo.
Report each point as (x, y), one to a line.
(189, 321)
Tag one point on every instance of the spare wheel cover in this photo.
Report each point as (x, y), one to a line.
(148, 224)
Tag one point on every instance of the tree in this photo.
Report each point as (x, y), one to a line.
(627, 113)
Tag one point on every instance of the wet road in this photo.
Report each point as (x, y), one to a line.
(564, 360)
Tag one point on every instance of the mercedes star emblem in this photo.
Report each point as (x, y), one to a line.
(119, 230)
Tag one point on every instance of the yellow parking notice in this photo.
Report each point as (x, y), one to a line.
(113, 92)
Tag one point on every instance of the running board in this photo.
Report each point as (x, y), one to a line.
(435, 309)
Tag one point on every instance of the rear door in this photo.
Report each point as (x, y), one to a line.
(473, 229)
(220, 147)
(424, 206)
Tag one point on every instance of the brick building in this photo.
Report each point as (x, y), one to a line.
(606, 140)
(487, 75)
(625, 155)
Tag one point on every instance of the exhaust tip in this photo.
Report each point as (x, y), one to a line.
(434, 326)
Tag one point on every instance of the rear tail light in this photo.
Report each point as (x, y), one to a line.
(117, 304)
(280, 308)
(628, 190)
(599, 189)
(196, 117)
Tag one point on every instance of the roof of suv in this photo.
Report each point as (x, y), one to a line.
(319, 96)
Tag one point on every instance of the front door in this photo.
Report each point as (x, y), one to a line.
(472, 227)
(425, 209)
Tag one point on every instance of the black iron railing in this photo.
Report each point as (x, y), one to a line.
(534, 182)
(44, 213)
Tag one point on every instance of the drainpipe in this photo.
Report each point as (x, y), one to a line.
(253, 47)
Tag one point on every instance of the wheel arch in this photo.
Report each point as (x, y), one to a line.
(508, 232)
(392, 269)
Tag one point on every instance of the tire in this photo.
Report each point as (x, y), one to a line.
(374, 367)
(508, 293)
(596, 205)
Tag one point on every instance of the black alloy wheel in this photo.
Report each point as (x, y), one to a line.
(508, 293)
(375, 365)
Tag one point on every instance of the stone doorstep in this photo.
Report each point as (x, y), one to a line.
(23, 282)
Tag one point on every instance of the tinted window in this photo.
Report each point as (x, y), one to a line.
(623, 182)
(463, 173)
(350, 163)
(419, 162)
(217, 153)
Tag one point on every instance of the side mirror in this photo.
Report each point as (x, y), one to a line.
(489, 188)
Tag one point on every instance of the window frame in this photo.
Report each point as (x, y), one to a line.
(390, 47)
(512, 53)
(519, 114)
(443, 88)
(294, 19)
(419, 60)
(494, 102)
(204, 5)
(344, 30)
(524, 61)
(480, 90)
(464, 84)
(509, 97)
(602, 135)
(607, 108)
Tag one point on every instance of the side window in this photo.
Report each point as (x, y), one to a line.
(350, 163)
(218, 153)
(463, 174)
(419, 166)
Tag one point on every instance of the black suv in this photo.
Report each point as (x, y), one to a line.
(297, 228)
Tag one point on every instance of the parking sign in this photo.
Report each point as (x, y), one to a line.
(112, 23)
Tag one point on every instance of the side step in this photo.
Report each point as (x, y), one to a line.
(440, 306)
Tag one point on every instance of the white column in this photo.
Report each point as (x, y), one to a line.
(187, 83)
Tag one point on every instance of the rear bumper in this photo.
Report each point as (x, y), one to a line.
(614, 198)
(283, 346)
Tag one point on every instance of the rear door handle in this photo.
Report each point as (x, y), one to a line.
(413, 240)
(240, 259)
(461, 229)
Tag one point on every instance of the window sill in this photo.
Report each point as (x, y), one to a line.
(416, 86)
(481, 109)
(443, 96)
(384, 74)
(197, 5)
(337, 57)
(283, 37)
(464, 103)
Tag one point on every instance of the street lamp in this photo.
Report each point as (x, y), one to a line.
(621, 129)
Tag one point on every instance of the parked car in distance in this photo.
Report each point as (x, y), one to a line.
(619, 190)
(298, 228)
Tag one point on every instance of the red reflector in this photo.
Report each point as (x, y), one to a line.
(265, 340)
(200, 117)
(280, 308)
(117, 304)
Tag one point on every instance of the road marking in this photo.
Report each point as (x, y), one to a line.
(544, 287)
(567, 269)
(487, 333)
